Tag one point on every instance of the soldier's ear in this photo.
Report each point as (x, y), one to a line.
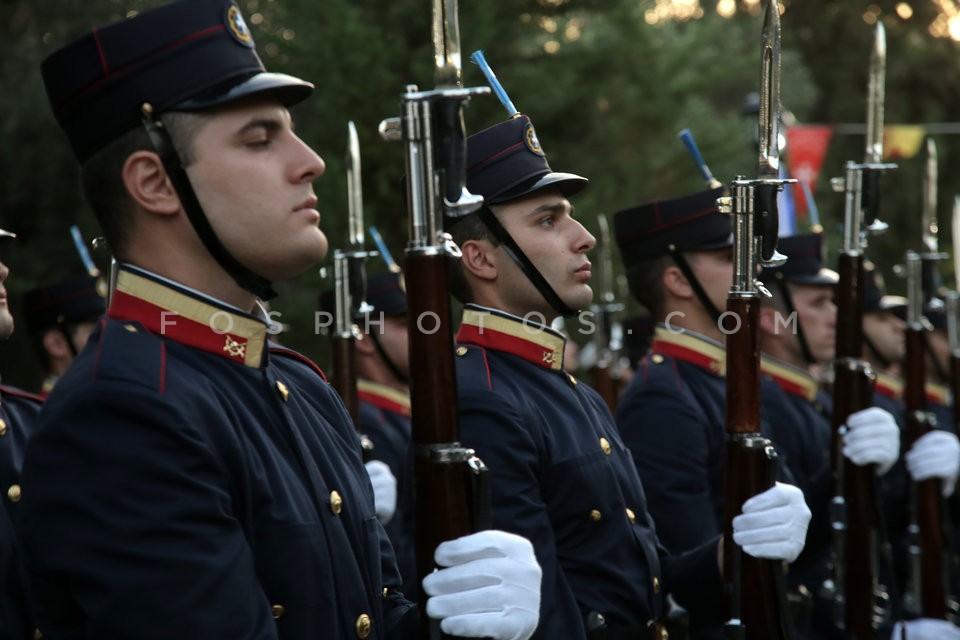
(676, 284)
(149, 185)
(55, 344)
(479, 259)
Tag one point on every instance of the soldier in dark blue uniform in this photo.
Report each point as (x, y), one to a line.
(60, 318)
(798, 328)
(18, 414)
(673, 416)
(187, 478)
(560, 473)
(383, 389)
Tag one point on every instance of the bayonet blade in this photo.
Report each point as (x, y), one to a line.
(930, 228)
(355, 231)
(875, 96)
(955, 233)
(769, 117)
(605, 280)
(446, 44)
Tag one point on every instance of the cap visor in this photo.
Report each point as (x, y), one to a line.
(288, 90)
(569, 184)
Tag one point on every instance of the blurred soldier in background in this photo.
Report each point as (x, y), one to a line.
(18, 414)
(60, 317)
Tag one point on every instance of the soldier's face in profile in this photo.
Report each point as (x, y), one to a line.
(253, 177)
(817, 316)
(6, 319)
(885, 331)
(544, 227)
(714, 270)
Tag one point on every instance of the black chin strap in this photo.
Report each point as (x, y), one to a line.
(394, 369)
(528, 268)
(884, 362)
(163, 145)
(684, 266)
(788, 301)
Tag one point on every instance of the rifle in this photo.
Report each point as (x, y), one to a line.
(927, 594)
(854, 513)
(756, 588)
(953, 317)
(607, 340)
(349, 292)
(452, 498)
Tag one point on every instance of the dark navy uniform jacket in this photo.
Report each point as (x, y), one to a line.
(561, 476)
(799, 414)
(673, 418)
(385, 419)
(187, 480)
(18, 414)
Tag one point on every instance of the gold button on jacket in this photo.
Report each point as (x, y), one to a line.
(13, 493)
(277, 610)
(364, 626)
(336, 503)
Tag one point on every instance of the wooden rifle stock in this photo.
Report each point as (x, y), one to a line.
(928, 546)
(757, 587)
(854, 515)
(344, 378)
(606, 385)
(927, 542)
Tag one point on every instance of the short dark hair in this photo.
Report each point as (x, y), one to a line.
(471, 227)
(102, 175)
(645, 280)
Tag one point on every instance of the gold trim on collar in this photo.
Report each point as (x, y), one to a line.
(798, 377)
(212, 318)
(701, 345)
(382, 390)
(551, 344)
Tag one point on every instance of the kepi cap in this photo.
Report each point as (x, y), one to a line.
(688, 223)
(69, 301)
(187, 55)
(506, 162)
(804, 263)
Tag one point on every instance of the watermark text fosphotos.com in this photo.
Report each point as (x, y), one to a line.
(586, 323)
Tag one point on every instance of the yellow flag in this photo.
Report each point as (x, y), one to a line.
(902, 140)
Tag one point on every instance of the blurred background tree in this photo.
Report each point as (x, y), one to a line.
(609, 84)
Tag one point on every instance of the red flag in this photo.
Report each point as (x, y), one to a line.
(806, 148)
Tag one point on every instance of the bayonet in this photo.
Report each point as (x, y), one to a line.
(355, 237)
(446, 44)
(955, 236)
(769, 148)
(930, 199)
(875, 97)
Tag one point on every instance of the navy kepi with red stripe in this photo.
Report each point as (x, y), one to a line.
(506, 162)
(187, 55)
(688, 223)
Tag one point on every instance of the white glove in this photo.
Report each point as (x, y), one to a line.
(935, 454)
(872, 436)
(925, 629)
(384, 490)
(773, 524)
(490, 588)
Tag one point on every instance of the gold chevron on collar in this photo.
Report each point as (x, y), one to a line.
(791, 379)
(175, 314)
(534, 342)
(380, 395)
(690, 347)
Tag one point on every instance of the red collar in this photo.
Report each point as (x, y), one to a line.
(177, 314)
(889, 386)
(531, 341)
(384, 397)
(690, 347)
(791, 379)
